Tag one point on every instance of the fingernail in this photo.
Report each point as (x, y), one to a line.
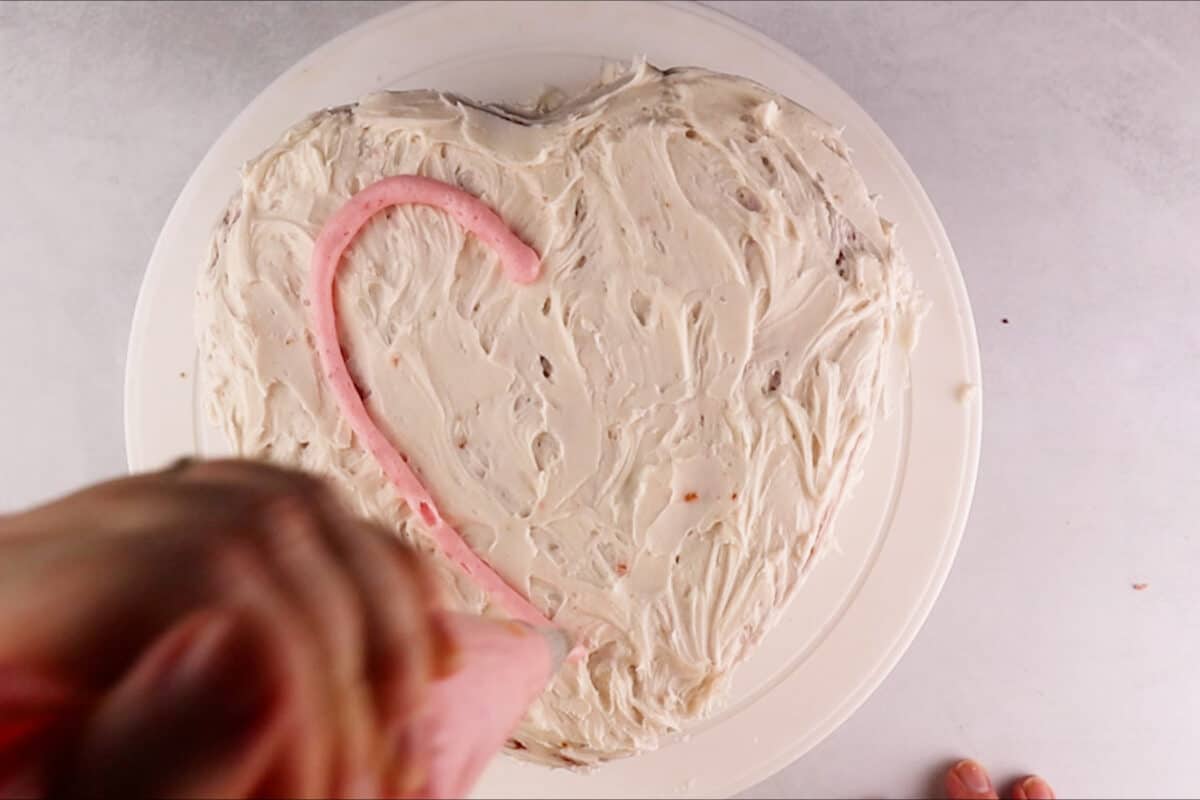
(973, 776)
(1034, 788)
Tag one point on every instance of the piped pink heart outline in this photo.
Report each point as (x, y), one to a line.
(519, 262)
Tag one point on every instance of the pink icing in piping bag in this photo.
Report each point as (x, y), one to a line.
(519, 262)
(468, 715)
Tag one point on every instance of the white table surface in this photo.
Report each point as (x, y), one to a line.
(1061, 146)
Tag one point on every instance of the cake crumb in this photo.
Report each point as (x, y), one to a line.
(183, 374)
(690, 497)
(395, 361)
(1141, 587)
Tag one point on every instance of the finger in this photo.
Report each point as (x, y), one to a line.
(296, 521)
(443, 647)
(289, 528)
(304, 763)
(198, 714)
(296, 547)
(398, 612)
(357, 763)
(967, 780)
(392, 594)
(406, 767)
(403, 644)
(1032, 788)
(294, 540)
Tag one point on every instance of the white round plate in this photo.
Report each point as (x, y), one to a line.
(863, 604)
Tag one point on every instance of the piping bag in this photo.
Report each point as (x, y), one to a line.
(464, 722)
(468, 715)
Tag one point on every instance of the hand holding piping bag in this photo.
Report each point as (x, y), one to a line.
(227, 629)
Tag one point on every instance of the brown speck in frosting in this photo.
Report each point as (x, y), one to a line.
(691, 497)
(1141, 587)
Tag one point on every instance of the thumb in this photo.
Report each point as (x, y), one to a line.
(196, 716)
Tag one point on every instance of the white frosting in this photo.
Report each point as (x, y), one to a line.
(652, 440)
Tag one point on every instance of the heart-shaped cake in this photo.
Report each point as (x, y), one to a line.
(650, 441)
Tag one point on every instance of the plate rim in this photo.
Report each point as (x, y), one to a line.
(783, 754)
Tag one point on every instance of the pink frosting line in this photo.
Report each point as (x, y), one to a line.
(519, 262)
